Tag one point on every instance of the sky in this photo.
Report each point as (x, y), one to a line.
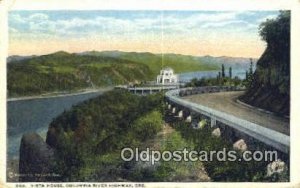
(215, 33)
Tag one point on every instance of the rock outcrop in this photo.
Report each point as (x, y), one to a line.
(270, 86)
(240, 145)
(216, 132)
(36, 159)
(276, 167)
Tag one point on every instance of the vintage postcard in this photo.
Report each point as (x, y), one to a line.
(131, 93)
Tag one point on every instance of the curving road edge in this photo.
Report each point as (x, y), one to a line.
(268, 136)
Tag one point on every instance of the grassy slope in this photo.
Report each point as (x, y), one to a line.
(66, 72)
(180, 63)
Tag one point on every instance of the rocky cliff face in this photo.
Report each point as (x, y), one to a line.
(36, 160)
(270, 87)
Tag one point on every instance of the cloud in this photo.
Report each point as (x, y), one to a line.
(218, 17)
(198, 22)
(197, 19)
(135, 30)
(12, 30)
(16, 18)
(40, 23)
(228, 23)
(136, 25)
(38, 16)
(268, 17)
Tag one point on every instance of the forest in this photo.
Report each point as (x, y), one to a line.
(88, 138)
(270, 85)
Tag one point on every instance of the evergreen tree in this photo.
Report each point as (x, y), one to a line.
(230, 72)
(223, 71)
(250, 74)
(251, 67)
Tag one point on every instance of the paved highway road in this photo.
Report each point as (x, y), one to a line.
(226, 102)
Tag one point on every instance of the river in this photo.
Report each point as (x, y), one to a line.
(186, 77)
(34, 115)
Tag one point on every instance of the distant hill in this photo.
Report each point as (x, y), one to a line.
(234, 62)
(270, 88)
(62, 71)
(15, 58)
(180, 63)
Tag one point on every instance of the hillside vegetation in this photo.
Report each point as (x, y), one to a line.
(67, 72)
(88, 138)
(62, 71)
(270, 86)
(180, 63)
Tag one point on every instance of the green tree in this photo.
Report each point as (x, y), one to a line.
(219, 78)
(277, 31)
(147, 126)
(223, 71)
(251, 67)
(230, 72)
(236, 81)
(249, 75)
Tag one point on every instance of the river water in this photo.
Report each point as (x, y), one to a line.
(34, 115)
(186, 77)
